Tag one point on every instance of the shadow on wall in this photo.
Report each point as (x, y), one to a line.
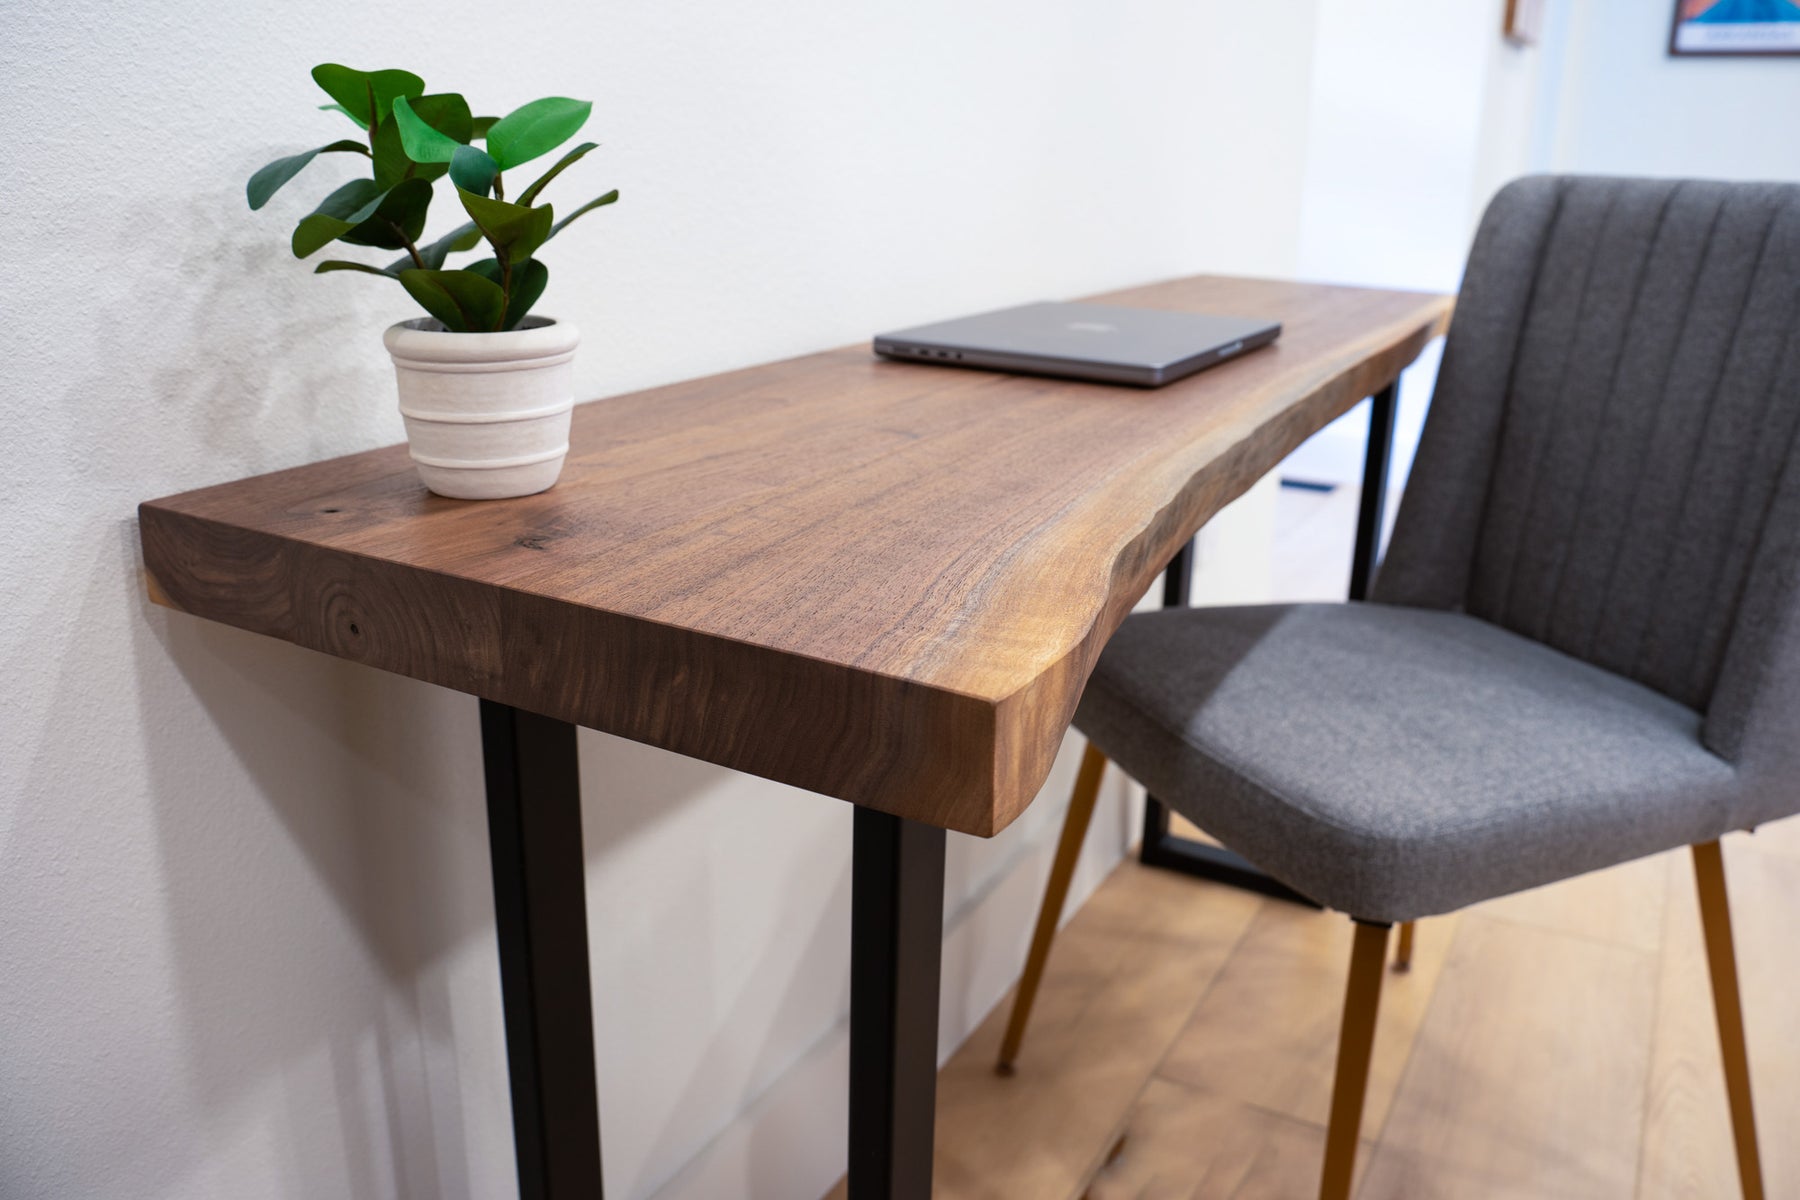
(776, 1021)
(250, 364)
(721, 944)
(329, 906)
(321, 867)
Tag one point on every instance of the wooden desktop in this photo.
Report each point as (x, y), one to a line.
(884, 582)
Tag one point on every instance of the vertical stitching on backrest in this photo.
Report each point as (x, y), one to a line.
(1662, 407)
(1644, 639)
(1587, 478)
(1697, 669)
(1512, 374)
(1542, 437)
(1762, 526)
(1729, 742)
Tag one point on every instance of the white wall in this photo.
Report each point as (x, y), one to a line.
(245, 931)
(1622, 106)
(1419, 112)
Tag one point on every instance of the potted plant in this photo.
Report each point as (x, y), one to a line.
(485, 386)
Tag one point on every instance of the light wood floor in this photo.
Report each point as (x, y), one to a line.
(1558, 1043)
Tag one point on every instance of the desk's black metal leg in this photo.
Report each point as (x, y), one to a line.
(540, 910)
(1377, 456)
(1160, 848)
(897, 934)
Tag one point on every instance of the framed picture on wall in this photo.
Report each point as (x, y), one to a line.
(1735, 27)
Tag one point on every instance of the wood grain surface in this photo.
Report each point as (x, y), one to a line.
(885, 582)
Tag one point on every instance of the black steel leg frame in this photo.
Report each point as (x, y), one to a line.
(896, 940)
(540, 916)
(1171, 851)
(897, 926)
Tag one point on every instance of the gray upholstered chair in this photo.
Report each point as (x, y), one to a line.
(1584, 646)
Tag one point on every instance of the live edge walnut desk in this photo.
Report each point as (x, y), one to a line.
(883, 582)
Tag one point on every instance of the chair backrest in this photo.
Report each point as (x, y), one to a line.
(1610, 462)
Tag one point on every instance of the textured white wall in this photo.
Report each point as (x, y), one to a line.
(245, 932)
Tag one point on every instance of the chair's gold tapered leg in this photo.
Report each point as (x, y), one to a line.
(1356, 1040)
(1068, 849)
(1721, 959)
(1403, 951)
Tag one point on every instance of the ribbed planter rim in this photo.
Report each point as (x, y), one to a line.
(423, 347)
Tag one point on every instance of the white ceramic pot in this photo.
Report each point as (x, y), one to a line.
(487, 414)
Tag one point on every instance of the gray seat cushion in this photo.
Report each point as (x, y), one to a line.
(1398, 762)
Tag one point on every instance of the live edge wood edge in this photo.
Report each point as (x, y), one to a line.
(911, 748)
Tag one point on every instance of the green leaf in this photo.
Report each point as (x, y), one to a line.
(530, 278)
(531, 193)
(391, 163)
(481, 125)
(342, 109)
(535, 128)
(398, 219)
(366, 95)
(528, 282)
(598, 202)
(268, 181)
(423, 144)
(512, 229)
(444, 113)
(463, 301)
(342, 264)
(473, 171)
(337, 215)
(464, 237)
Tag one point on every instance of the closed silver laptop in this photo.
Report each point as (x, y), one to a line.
(1142, 346)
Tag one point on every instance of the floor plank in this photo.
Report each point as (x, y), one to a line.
(1779, 837)
(1122, 978)
(1622, 905)
(1687, 1138)
(1186, 1143)
(1266, 1033)
(1528, 1076)
(1687, 1128)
